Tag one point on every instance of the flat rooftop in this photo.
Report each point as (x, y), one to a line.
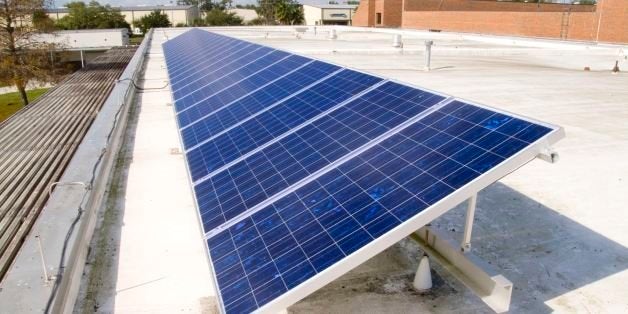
(557, 231)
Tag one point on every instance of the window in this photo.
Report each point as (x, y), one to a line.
(378, 18)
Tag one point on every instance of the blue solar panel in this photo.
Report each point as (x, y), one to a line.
(299, 165)
(292, 112)
(177, 66)
(197, 46)
(206, 69)
(298, 236)
(198, 90)
(302, 153)
(214, 121)
(242, 88)
(218, 54)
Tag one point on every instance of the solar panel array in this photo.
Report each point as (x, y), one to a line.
(297, 164)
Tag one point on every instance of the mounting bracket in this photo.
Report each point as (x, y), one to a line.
(482, 279)
(548, 154)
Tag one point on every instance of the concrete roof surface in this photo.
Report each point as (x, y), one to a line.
(557, 231)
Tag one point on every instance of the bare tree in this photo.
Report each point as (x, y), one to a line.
(24, 56)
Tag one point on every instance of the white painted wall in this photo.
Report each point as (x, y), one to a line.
(83, 39)
(176, 15)
(246, 14)
(312, 15)
(318, 15)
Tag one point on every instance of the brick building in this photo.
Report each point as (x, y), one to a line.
(605, 22)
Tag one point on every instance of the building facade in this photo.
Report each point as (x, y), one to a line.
(607, 21)
(332, 14)
(180, 14)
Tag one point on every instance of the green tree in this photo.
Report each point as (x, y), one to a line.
(42, 21)
(207, 5)
(92, 16)
(222, 17)
(265, 12)
(24, 57)
(289, 12)
(153, 20)
(246, 6)
(271, 12)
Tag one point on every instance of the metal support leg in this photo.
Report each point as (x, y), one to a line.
(428, 54)
(465, 245)
(82, 60)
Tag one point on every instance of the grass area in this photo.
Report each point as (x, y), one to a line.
(10, 102)
(136, 40)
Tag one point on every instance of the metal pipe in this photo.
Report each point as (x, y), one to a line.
(397, 41)
(66, 183)
(465, 246)
(428, 54)
(43, 261)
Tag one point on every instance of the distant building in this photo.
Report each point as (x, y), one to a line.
(86, 44)
(246, 15)
(328, 14)
(87, 39)
(605, 22)
(179, 14)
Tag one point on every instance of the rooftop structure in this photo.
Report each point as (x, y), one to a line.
(603, 21)
(541, 226)
(177, 14)
(328, 14)
(39, 141)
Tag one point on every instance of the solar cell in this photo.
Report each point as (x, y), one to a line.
(302, 169)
